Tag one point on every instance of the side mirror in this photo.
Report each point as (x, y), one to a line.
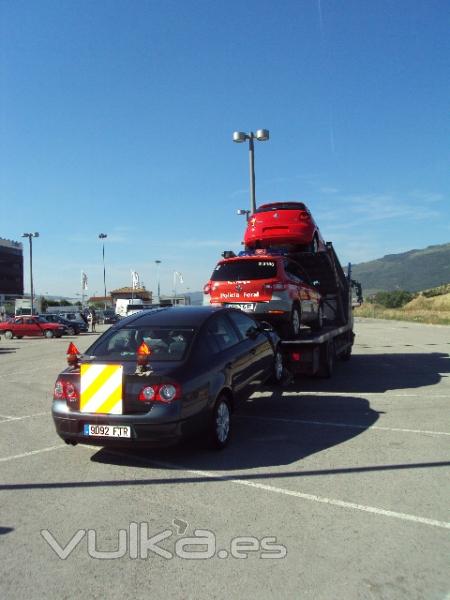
(253, 332)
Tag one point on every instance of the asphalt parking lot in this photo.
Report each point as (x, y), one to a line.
(350, 475)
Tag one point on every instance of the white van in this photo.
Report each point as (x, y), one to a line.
(128, 306)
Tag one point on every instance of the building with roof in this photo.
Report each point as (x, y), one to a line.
(123, 293)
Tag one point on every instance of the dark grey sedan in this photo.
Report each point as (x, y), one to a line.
(164, 374)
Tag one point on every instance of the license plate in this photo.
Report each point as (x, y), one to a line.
(246, 307)
(115, 431)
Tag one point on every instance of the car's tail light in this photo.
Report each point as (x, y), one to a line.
(66, 390)
(303, 216)
(165, 392)
(207, 288)
(276, 287)
(296, 356)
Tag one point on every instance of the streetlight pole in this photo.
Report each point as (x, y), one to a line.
(30, 236)
(251, 157)
(261, 135)
(158, 262)
(103, 236)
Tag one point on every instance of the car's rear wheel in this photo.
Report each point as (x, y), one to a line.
(314, 248)
(291, 329)
(278, 367)
(318, 323)
(48, 333)
(9, 335)
(220, 426)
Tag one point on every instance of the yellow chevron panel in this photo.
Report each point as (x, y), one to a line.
(101, 389)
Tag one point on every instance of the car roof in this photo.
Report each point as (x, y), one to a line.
(171, 316)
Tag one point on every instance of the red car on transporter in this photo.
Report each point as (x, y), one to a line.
(268, 285)
(283, 224)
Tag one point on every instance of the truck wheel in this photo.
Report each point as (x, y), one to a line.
(314, 247)
(9, 335)
(220, 425)
(318, 323)
(327, 357)
(292, 328)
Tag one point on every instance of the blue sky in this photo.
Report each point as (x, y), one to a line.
(117, 117)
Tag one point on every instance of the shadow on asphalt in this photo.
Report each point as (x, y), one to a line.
(377, 373)
(268, 431)
(260, 440)
(5, 530)
(129, 459)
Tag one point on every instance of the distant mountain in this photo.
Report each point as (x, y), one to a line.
(413, 270)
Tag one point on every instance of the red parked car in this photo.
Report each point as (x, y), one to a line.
(31, 326)
(283, 224)
(271, 287)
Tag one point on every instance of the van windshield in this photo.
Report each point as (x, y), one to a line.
(245, 270)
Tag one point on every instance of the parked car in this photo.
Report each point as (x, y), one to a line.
(283, 224)
(164, 374)
(110, 317)
(31, 326)
(73, 327)
(270, 286)
(73, 317)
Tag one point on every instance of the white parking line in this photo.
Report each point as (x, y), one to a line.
(292, 493)
(347, 425)
(49, 449)
(11, 419)
(261, 486)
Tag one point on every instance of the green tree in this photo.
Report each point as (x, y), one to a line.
(395, 299)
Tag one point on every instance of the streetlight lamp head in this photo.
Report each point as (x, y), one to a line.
(239, 136)
(36, 234)
(262, 135)
(102, 236)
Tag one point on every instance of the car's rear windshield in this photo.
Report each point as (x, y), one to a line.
(165, 343)
(245, 270)
(281, 206)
